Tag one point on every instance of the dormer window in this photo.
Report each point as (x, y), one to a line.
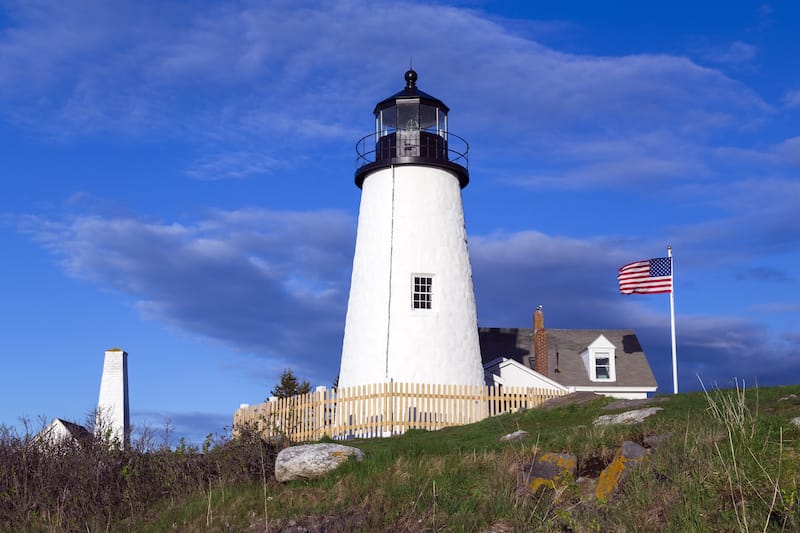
(602, 366)
(599, 360)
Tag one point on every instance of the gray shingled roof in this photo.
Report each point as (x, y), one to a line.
(77, 431)
(633, 370)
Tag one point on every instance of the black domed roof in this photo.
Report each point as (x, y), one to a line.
(409, 92)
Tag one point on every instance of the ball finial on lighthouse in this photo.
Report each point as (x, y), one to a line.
(411, 79)
(411, 313)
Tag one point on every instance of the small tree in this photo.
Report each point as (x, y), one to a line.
(289, 386)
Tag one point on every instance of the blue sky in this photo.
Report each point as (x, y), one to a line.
(177, 180)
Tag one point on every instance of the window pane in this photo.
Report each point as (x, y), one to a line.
(427, 117)
(602, 368)
(388, 120)
(408, 115)
(421, 297)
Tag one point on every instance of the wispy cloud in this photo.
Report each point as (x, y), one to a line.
(765, 274)
(232, 165)
(226, 75)
(737, 53)
(791, 99)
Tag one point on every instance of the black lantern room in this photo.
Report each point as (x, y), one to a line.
(411, 129)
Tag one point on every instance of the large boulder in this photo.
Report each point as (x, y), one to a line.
(628, 417)
(574, 398)
(311, 461)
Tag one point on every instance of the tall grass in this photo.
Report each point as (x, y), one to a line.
(751, 457)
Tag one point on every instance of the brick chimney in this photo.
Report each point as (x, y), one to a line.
(539, 342)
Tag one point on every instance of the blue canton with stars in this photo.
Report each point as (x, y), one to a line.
(661, 266)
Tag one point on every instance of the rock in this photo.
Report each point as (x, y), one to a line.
(627, 458)
(796, 421)
(627, 404)
(790, 397)
(628, 417)
(574, 398)
(517, 435)
(311, 461)
(654, 441)
(548, 470)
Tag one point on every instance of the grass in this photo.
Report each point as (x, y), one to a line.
(728, 461)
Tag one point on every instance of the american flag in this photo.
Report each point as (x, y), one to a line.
(651, 276)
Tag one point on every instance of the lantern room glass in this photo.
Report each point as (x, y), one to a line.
(411, 115)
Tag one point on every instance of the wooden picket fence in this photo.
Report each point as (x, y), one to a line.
(384, 409)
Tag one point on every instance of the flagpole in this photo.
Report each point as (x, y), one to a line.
(672, 322)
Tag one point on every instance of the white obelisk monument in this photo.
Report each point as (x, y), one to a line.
(113, 416)
(411, 314)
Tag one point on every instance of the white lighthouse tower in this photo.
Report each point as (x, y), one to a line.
(411, 314)
(113, 413)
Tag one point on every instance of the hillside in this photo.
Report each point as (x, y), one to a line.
(726, 461)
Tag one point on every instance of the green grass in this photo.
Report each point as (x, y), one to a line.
(729, 462)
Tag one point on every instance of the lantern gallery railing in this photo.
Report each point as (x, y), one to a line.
(396, 146)
(384, 409)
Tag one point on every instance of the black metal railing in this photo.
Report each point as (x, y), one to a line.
(399, 145)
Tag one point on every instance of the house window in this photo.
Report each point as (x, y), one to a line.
(602, 366)
(422, 292)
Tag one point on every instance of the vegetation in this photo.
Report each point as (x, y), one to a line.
(289, 386)
(93, 485)
(727, 461)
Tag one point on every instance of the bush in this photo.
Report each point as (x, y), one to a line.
(89, 485)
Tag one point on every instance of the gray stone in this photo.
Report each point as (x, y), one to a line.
(311, 461)
(628, 417)
(517, 435)
(627, 458)
(630, 450)
(574, 398)
(548, 470)
(628, 404)
(654, 441)
(796, 421)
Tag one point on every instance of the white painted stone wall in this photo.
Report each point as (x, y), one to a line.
(113, 416)
(411, 221)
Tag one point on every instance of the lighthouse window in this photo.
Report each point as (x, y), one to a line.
(422, 292)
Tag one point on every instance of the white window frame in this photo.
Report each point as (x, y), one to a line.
(419, 283)
(598, 356)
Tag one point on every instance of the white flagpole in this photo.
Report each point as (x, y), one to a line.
(672, 323)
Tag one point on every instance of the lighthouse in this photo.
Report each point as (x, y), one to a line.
(411, 314)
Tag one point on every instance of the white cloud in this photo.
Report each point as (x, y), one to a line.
(144, 67)
(791, 99)
(735, 54)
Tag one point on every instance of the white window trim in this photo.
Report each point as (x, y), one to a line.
(433, 298)
(603, 354)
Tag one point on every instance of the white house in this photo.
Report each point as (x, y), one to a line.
(605, 361)
(60, 431)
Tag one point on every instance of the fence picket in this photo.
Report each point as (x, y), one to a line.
(384, 409)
